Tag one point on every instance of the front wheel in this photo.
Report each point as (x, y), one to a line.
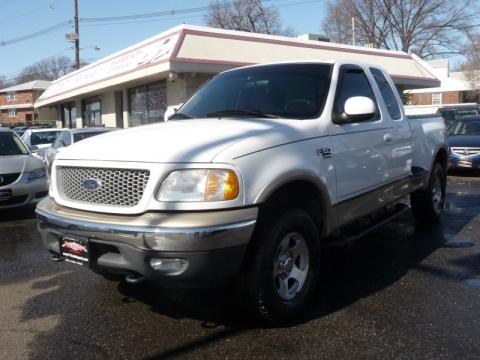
(283, 270)
(427, 205)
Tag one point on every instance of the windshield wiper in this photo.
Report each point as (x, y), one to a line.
(179, 115)
(240, 112)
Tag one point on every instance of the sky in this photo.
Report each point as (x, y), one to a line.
(22, 17)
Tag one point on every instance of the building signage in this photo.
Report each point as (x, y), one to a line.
(118, 64)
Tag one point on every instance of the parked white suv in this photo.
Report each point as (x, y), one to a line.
(38, 140)
(253, 174)
(68, 137)
(23, 178)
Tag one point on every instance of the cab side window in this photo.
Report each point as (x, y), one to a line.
(387, 93)
(67, 138)
(56, 143)
(353, 82)
(60, 141)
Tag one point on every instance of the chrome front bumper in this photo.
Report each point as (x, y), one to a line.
(205, 239)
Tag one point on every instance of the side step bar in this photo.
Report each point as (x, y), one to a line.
(348, 239)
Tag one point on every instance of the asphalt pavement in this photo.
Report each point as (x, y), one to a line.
(403, 292)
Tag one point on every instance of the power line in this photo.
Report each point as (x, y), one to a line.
(20, 15)
(147, 17)
(54, 28)
(126, 19)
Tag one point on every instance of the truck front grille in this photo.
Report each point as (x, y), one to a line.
(102, 186)
(466, 151)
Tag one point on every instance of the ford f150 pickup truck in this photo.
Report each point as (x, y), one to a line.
(247, 181)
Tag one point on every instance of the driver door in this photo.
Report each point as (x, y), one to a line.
(359, 148)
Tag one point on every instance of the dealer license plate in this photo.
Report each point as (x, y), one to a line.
(5, 195)
(74, 250)
(465, 163)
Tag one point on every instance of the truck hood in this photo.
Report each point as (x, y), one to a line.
(196, 140)
(18, 164)
(464, 140)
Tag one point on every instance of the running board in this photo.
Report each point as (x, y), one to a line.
(348, 239)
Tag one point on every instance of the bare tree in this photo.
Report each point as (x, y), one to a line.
(245, 15)
(426, 27)
(472, 66)
(47, 69)
(3, 82)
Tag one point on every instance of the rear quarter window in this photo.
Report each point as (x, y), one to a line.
(388, 94)
(44, 137)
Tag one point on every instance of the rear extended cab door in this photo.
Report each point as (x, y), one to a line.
(399, 137)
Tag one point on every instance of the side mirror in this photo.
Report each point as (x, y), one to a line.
(34, 148)
(356, 109)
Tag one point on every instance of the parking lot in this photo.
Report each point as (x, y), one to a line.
(401, 293)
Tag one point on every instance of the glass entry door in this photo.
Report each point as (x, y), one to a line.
(69, 115)
(92, 112)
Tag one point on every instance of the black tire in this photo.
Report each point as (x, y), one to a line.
(427, 205)
(261, 283)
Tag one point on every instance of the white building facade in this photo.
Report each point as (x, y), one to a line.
(136, 85)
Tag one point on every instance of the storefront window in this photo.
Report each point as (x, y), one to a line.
(147, 103)
(69, 115)
(92, 112)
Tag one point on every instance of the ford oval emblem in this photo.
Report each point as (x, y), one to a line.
(92, 184)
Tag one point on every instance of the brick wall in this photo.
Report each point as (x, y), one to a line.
(23, 115)
(422, 99)
(23, 97)
(448, 97)
(451, 97)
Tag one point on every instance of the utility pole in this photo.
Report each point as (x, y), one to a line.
(77, 36)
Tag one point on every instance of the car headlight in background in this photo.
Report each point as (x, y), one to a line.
(199, 185)
(37, 174)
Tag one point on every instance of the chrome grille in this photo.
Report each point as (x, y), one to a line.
(118, 187)
(466, 151)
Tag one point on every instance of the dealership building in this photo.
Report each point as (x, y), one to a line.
(136, 85)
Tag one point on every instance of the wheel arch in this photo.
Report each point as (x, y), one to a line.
(305, 187)
(441, 157)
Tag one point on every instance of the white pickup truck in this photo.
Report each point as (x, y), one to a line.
(257, 171)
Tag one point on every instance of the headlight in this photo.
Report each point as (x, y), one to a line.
(37, 174)
(199, 185)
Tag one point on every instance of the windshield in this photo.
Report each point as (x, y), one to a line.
(10, 144)
(86, 135)
(465, 127)
(295, 91)
(43, 137)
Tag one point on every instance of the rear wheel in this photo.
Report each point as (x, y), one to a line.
(282, 271)
(427, 205)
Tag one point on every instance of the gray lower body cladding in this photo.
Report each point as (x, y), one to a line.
(211, 243)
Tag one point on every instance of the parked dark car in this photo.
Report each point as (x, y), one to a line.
(451, 113)
(464, 143)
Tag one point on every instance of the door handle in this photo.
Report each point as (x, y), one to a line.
(387, 138)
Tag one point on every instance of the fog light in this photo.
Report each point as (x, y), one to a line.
(169, 266)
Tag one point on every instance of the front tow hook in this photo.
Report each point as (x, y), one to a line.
(56, 257)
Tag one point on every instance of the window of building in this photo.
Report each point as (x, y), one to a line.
(68, 114)
(436, 98)
(12, 112)
(92, 112)
(11, 96)
(147, 104)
